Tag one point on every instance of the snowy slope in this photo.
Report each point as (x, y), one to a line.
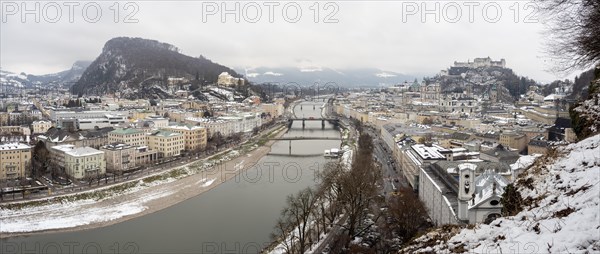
(590, 109)
(561, 214)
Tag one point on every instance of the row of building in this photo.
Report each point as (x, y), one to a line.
(93, 141)
(458, 150)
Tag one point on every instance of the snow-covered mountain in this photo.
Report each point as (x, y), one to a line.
(141, 68)
(311, 75)
(24, 80)
(560, 197)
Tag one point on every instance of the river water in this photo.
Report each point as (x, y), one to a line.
(237, 216)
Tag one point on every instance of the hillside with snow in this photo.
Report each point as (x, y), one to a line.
(141, 68)
(560, 196)
(24, 80)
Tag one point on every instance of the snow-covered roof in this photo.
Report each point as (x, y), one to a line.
(14, 146)
(184, 127)
(488, 185)
(83, 151)
(64, 148)
(524, 161)
(429, 152)
(553, 97)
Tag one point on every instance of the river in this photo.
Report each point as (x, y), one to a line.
(237, 216)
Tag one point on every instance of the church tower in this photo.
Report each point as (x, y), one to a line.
(466, 188)
(469, 90)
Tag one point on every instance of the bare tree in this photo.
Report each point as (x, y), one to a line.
(408, 213)
(328, 190)
(359, 185)
(296, 218)
(41, 159)
(573, 27)
(282, 234)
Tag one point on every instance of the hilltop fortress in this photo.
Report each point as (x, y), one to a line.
(481, 62)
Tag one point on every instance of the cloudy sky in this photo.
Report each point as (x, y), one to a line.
(399, 36)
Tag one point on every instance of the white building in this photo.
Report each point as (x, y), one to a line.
(15, 159)
(228, 125)
(55, 115)
(87, 120)
(479, 197)
(159, 122)
(106, 121)
(81, 162)
(225, 79)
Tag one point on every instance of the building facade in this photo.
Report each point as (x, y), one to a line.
(128, 136)
(166, 143)
(41, 126)
(15, 159)
(80, 162)
(195, 136)
(119, 157)
(514, 140)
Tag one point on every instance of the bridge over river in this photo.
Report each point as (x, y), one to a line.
(303, 138)
(333, 121)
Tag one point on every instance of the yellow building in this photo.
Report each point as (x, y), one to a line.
(79, 162)
(275, 110)
(180, 116)
(138, 115)
(15, 159)
(128, 136)
(194, 105)
(166, 143)
(195, 136)
(84, 162)
(3, 118)
(41, 126)
(513, 140)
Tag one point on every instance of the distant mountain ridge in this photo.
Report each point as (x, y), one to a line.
(140, 68)
(24, 80)
(309, 76)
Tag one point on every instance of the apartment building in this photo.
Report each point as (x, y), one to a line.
(93, 138)
(80, 162)
(119, 157)
(166, 143)
(21, 130)
(514, 140)
(538, 145)
(15, 159)
(274, 110)
(195, 136)
(128, 136)
(417, 156)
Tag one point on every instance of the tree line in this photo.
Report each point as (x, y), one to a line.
(347, 203)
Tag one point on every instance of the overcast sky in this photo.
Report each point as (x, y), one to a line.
(389, 35)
